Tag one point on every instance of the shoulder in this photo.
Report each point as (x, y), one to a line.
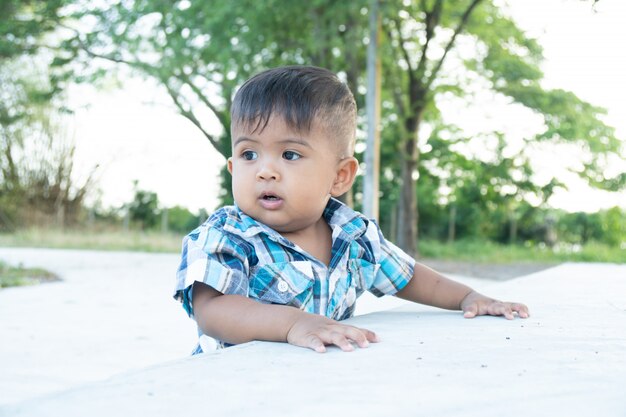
(221, 232)
(377, 247)
(223, 216)
(363, 233)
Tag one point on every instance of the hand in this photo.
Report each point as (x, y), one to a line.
(475, 304)
(315, 332)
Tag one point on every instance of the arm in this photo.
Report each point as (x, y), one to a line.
(431, 288)
(238, 319)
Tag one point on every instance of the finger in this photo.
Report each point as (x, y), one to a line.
(338, 339)
(501, 309)
(370, 335)
(521, 309)
(316, 344)
(358, 336)
(507, 312)
(470, 311)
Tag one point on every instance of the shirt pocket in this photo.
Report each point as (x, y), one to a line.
(282, 283)
(362, 274)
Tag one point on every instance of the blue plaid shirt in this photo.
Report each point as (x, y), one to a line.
(235, 254)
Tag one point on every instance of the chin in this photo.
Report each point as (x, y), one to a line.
(275, 224)
(279, 226)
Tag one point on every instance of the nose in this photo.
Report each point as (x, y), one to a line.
(267, 172)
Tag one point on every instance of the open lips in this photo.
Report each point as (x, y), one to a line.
(270, 197)
(270, 201)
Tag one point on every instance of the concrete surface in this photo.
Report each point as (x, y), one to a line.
(569, 358)
(112, 312)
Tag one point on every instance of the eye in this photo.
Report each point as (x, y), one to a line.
(249, 155)
(291, 155)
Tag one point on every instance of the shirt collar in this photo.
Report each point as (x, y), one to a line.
(245, 226)
(341, 219)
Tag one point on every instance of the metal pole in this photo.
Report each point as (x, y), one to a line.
(372, 100)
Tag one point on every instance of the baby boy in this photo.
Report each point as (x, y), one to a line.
(288, 261)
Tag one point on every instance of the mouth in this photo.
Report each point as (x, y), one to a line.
(270, 197)
(270, 201)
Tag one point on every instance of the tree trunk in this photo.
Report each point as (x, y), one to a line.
(512, 227)
(164, 221)
(452, 224)
(407, 236)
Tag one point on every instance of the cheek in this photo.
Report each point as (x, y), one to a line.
(242, 181)
(314, 186)
(235, 177)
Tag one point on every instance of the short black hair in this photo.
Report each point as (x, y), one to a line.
(301, 95)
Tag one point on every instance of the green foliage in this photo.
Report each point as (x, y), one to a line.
(36, 153)
(508, 61)
(432, 51)
(36, 157)
(613, 226)
(144, 209)
(23, 22)
(607, 227)
(181, 220)
(11, 276)
(201, 51)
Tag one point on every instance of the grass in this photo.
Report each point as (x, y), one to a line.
(11, 276)
(489, 252)
(108, 240)
(477, 251)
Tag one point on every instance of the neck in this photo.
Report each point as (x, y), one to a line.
(316, 240)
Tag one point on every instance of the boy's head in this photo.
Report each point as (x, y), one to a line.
(293, 132)
(304, 97)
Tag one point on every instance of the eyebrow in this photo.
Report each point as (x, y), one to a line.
(284, 141)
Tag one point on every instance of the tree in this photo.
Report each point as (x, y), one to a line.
(36, 156)
(144, 209)
(24, 22)
(181, 220)
(606, 226)
(433, 49)
(483, 45)
(199, 52)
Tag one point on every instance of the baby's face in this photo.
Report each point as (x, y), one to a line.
(283, 178)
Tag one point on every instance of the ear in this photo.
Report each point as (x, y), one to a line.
(346, 173)
(229, 165)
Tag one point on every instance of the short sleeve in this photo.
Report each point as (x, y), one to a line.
(394, 268)
(213, 257)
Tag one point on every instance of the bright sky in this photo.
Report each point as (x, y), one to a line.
(585, 54)
(135, 134)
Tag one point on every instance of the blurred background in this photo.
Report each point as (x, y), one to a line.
(501, 122)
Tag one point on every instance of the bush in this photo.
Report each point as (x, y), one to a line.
(180, 219)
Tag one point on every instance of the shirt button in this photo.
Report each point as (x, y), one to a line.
(283, 286)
